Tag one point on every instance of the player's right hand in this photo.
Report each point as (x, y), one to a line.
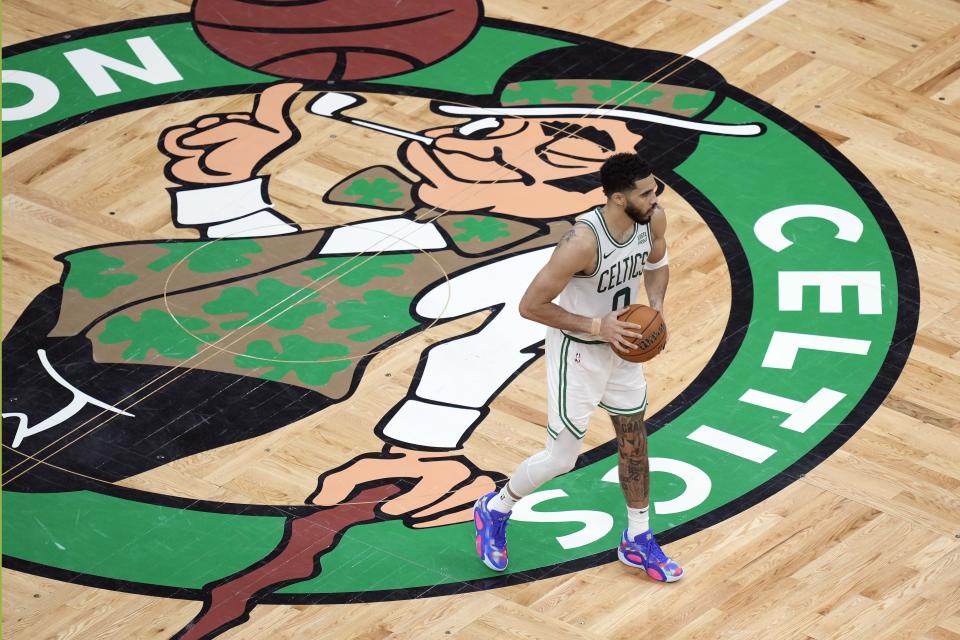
(621, 335)
(231, 147)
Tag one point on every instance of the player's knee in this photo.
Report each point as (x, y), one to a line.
(562, 462)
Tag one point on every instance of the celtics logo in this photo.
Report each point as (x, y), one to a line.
(152, 351)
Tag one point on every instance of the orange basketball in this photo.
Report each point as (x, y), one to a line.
(653, 335)
(335, 39)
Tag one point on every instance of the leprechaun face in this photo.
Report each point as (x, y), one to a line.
(530, 167)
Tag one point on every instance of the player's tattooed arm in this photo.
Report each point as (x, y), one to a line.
(576, 253)
(568, 236)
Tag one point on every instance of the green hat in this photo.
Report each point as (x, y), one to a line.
(658, 103)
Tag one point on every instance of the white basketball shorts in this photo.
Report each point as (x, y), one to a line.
(583, 375)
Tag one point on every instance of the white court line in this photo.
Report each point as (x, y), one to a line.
(736, 28)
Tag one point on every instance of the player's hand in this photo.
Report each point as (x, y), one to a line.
(230, 147)
(621, 335)
(445, 484)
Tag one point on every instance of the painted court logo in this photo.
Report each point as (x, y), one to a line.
(149, 352)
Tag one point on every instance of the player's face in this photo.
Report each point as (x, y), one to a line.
(639, 201)
(519, 166)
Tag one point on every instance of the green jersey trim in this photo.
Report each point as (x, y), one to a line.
(626, 242)
(597, 236)
(562, 400)
(626, 412)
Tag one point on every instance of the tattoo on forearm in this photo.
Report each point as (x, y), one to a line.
(634, 458)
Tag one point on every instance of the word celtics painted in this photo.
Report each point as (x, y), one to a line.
(781, 353)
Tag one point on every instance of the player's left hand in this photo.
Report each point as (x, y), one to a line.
(445, 484)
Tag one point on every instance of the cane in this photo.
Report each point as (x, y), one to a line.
(228, 602)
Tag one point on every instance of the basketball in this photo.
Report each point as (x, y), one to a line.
(653, 335)
(335, 39)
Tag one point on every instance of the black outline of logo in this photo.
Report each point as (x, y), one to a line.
(741, 283)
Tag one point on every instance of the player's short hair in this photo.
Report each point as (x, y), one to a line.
(621, 170)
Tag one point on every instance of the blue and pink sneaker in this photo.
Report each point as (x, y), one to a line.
(491, 529)
(643, 552)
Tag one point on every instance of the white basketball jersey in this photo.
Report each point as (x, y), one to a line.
(615, 283)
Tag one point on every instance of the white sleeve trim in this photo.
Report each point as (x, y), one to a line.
(662, 262)
(430, 425)
(255, 225)
(209, 205)
(390, 234)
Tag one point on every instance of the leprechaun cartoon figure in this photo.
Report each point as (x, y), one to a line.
(276, 322)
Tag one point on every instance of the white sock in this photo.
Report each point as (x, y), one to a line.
(502, 502)
(638, 521)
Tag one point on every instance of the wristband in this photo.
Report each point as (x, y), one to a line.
(662, 262)
(595, 326)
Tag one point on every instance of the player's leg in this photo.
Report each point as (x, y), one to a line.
(576, 373)
(558, 457)
(626, 402)
(492, 512)
(634, 467)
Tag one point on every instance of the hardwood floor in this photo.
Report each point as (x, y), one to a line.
(863, 545)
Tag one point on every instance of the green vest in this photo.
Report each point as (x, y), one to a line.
(272, 307)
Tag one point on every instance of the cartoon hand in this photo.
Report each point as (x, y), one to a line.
(230, 147)
(445, 488)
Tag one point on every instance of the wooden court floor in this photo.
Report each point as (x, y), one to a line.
(859, 539)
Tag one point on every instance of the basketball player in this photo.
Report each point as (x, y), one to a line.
(587, 278)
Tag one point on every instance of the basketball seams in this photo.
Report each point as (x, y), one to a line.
(281, 3)
(655, 317)
(654, 349)
(322, 30)
(340, 66)
(631, 309)
(336, 40)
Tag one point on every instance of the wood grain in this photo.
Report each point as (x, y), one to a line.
(866, 545)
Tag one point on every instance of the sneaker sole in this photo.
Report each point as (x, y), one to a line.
(644, 569)
(490, 565)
